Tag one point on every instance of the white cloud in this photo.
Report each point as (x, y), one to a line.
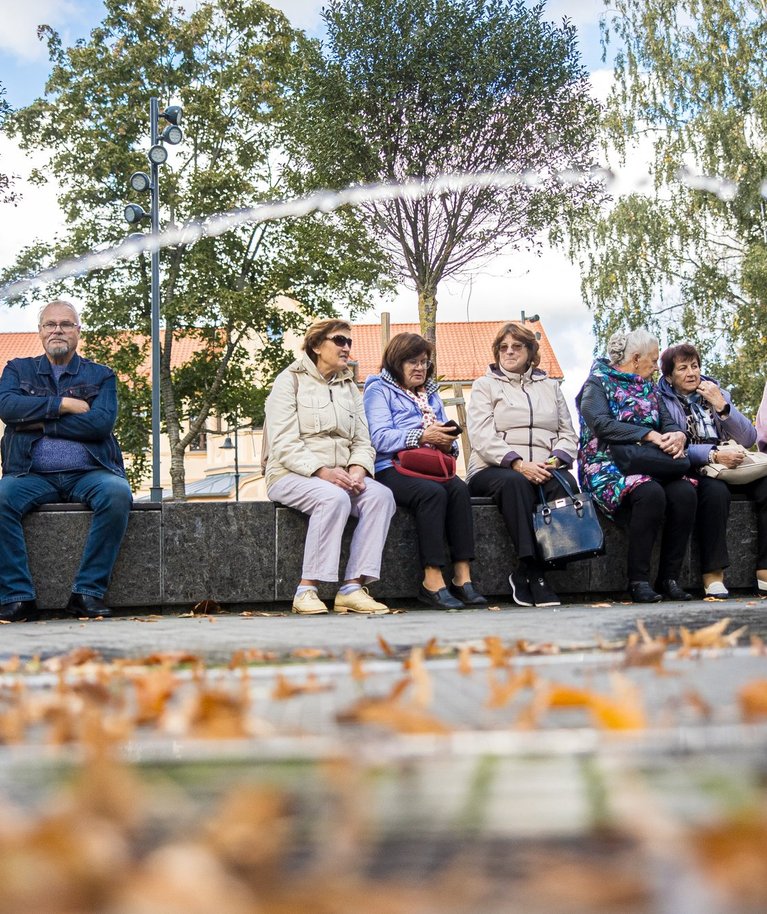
(580, 12)
(36, 215)
(303, 14)
(21, 19)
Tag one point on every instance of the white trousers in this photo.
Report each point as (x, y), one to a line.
(329, 507)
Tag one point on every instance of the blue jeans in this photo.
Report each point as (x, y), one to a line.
(106, 494)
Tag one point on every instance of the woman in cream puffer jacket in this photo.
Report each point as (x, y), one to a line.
(321, 462)
(520, 429)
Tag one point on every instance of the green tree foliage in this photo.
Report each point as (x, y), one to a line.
(691, 77)
(411, 89)
(227, 62)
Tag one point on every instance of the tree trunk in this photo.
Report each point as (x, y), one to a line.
(427, 316)
(172, 421)
(177, 473)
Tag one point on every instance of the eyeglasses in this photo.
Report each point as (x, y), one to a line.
(516, 348)
(66, 326)
(340, 340)
(425, 363)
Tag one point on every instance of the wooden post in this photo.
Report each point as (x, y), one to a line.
(385, 330)
(460, 409)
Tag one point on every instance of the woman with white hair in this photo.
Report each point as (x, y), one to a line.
(620, 405)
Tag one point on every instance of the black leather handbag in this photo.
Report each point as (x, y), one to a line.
(649, 460)
(567, 529)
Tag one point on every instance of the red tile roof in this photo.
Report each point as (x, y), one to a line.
(18, 345)
(22, 345)
(464, 348)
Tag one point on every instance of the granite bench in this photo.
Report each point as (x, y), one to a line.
(249, 553)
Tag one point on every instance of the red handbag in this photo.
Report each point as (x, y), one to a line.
(425, 463)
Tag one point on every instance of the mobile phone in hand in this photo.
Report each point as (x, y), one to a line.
(452, 427)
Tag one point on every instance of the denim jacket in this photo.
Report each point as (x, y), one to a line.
(30, 404)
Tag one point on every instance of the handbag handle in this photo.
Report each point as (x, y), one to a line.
(562, 480)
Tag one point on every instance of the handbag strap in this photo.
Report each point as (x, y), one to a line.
(562, 480)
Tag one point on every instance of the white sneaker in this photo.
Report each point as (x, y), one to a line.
(358, 601)
(716, 589)
(308, 604)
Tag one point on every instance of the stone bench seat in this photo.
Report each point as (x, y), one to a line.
(249, 553)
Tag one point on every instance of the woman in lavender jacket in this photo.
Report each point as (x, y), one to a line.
(404, 411)
(699, 405)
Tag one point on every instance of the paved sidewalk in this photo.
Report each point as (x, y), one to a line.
(216, 637)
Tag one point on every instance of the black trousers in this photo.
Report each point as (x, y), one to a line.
(653, 506)
(516, 498)
(711, 523)
(442, 510)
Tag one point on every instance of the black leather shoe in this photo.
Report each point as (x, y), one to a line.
(641, 592)
(468, 594)
(441, 598)
(83, 604)
(19, 611)
(673, 591)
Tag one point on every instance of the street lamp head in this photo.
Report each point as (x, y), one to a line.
(139, 181)
(173, 114)
(158, 155)
(227, 445)
(172, 134)
(134, 214)
(136, 242)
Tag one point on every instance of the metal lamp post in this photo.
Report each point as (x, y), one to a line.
(140, 181)
(228, 446)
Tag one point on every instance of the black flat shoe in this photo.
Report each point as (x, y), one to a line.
(641, 592)
(468, 594)
(83, 604)
(19, 611)
(673, 591)
(441, 598)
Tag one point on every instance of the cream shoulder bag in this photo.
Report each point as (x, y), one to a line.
(754, 466)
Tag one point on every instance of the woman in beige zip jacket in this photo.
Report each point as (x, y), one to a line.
(321, 462)
(520, 429)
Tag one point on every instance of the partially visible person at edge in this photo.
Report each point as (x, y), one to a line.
(404, 410)
(520, 430)
(620, 404)
(59, 411)
(321, 462)
(699, 404)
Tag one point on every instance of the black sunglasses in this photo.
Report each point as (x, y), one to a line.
(340, 340)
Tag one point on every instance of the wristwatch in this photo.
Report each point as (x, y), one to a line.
(712, 455)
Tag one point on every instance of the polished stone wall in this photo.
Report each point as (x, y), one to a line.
(249, 553)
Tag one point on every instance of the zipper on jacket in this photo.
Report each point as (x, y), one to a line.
(530, 423)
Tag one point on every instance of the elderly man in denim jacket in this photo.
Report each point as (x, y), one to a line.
(59, 410)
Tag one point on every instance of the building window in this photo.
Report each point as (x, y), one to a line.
(199, 443)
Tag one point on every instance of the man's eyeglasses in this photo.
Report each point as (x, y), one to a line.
(424, 363)
(341, 340)
(66, 326)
